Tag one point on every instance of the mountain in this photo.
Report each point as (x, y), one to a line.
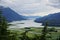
(32, 17)
(11, 15)
(52, 19)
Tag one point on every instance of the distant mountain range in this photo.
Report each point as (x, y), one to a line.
(52, 19)
(32, 17)
(11, 15)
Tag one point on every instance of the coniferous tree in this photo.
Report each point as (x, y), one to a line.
(4, 33)
(3, 27)
(44, 32)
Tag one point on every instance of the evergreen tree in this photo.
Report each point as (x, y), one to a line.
(3, 28)
(4, 33)
(44, 32)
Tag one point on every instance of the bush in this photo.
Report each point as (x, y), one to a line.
(52, 30)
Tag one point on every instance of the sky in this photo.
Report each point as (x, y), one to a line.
(32, 7)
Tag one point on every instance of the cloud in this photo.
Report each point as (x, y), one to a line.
(55, 3)
(31, 7)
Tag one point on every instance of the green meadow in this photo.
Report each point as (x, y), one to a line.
(34, 33)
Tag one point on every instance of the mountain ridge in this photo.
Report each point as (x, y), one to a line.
(52, 19)
(11, 15)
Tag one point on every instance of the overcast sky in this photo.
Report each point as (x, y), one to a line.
(33, 7)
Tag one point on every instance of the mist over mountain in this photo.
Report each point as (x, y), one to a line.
(32, 17)
(52, 19)
(11, 15)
